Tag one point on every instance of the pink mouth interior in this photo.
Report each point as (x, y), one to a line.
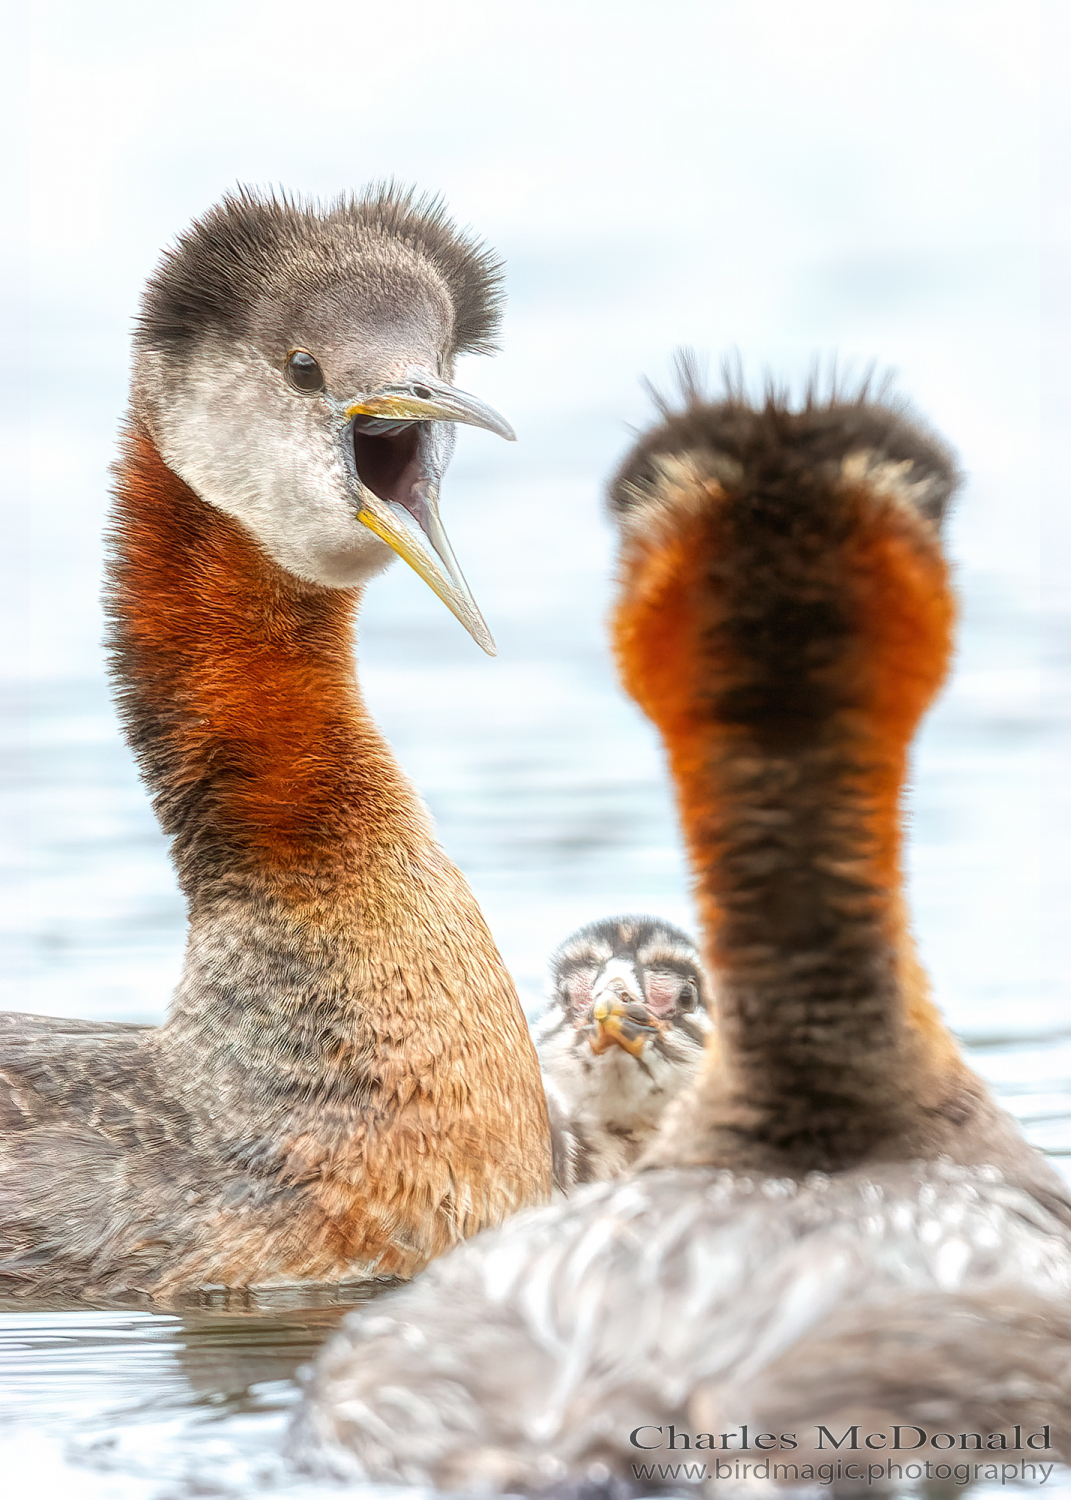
(389, 464)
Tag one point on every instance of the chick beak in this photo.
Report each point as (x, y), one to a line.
(400, 460)
(621, 1018)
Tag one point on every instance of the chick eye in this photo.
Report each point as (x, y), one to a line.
(303, 372)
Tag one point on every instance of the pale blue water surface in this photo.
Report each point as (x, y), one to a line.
(780, 179)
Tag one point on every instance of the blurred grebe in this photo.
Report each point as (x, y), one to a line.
(345, 1085)
(836, 1223)
(622, 1034)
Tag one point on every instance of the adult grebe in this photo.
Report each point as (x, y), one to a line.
(836, 1224)
(623, 1033)
(345, 1085)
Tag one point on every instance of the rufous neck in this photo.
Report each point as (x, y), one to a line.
(236, 684)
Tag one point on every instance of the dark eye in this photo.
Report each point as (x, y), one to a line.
(303, 372)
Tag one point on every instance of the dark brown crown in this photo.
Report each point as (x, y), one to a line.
(252, 246)
(731, 436)
(640, 938)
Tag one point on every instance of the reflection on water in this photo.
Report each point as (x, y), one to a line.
(549, 792)
(151, 1404)
(141, 1362)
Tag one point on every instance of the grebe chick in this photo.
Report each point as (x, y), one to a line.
(836, 1223)
(622, 1034)
(345, 1085)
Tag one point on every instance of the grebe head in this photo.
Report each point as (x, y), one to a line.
(854, 437)
(737, 524)
(628, 983)
(294, 368)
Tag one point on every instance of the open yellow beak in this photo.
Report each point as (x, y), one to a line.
(404, 512)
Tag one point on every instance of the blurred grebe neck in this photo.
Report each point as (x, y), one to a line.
(786, 644)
